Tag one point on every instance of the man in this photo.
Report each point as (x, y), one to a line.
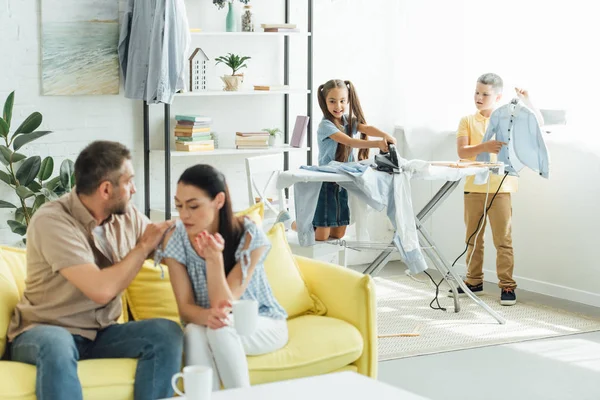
(83, 250)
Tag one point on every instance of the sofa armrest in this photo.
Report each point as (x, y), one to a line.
(349, 296)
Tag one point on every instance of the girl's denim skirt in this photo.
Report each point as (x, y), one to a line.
(332, 206)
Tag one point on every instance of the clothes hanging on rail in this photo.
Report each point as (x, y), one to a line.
(153, 47)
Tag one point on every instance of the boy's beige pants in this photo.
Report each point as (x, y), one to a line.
(500, 217)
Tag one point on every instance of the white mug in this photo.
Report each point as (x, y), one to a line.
(245, 316)
(197, 382)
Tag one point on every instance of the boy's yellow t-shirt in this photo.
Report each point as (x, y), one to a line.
(474, 127)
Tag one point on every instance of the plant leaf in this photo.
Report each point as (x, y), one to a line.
(52, 183)
(5, 155)
(34, 186)
(16, 157)
(30, 124)
(67, 169)
(24, 139)
(29, 170)
(49, 194)
(6, 178)
(17, 227)
(20, 215)
(23, 192)
(6, 204)
(46, 169)
(8, 108)
(39, 201)
(4, 128)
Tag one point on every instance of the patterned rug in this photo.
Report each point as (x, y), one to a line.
(403, 308)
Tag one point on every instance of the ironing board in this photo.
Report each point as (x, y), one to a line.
(452, 173)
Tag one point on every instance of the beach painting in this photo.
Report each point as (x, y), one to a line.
(79, 47)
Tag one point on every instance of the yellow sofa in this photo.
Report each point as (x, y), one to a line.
(332, 323)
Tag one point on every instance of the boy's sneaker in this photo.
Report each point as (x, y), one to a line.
(508, 297)
(476, 289)
(285, 218)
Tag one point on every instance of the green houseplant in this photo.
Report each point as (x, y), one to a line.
(275, 136)
(235, 62)
(29, 177)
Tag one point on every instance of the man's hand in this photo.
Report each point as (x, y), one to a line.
(218, 316)
(493, 146)
(153, 234)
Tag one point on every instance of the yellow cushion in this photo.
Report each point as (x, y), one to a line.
(256, 213)
(317, 345)
(285, 277)
(149, 296)
(100, 379)
(12, 274)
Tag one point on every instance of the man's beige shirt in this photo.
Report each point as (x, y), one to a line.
(59, 236)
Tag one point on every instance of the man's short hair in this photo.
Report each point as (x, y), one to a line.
(493, 80)
(98, 162)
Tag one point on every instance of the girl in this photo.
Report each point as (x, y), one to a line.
(215, 258)
(336, 137)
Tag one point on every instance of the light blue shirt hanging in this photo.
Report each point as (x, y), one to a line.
(153, 46)
(516, 125)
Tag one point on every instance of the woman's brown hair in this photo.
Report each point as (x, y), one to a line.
(355, 116)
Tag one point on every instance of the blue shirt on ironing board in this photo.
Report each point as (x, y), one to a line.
(328, 146)
(517, 126)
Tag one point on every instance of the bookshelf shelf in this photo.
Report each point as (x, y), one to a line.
(251, 34)
(168, 153)
(243, 93)
(233, 152)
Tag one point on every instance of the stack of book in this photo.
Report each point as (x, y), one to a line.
(252, 140)
(192, 133)
(279, 28)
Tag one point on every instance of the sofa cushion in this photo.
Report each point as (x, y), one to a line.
(285, 277)
(150, 296)
(12, 275)
(317, 345)
(101, 379)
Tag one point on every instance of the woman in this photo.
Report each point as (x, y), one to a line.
(214, 259)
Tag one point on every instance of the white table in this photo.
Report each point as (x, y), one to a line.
(340, 385)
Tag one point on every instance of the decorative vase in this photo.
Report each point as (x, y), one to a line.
(247, 19)
(230, 20)
(232, 82)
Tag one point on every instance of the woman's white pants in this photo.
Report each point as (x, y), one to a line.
(225, 351)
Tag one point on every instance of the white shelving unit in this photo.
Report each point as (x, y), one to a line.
(166, 212)
(243, 93)
(233, 152)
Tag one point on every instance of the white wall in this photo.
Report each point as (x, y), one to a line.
(74, 120)
(540, 45)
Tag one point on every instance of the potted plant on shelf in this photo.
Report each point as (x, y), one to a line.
(29, 177)
(275, 136)
(235, 62)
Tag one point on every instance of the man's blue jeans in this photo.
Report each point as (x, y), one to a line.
(156, 343)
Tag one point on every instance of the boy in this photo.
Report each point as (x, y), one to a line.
(470, 133)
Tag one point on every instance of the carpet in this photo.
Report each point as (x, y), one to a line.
(403, 307)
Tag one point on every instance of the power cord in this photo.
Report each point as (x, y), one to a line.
(476, 232)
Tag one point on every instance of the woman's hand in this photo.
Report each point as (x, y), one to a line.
(389, 139)
(209, 246)
(383, 145)
(218, 317)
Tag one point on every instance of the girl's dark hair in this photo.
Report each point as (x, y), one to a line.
(355, 116)
(212, 182)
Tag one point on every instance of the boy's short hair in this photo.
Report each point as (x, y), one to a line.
(493, 80)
